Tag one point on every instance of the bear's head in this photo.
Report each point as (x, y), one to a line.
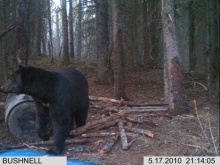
(14, 84)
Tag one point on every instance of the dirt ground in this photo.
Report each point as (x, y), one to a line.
(173, 135)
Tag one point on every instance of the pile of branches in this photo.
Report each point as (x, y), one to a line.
(116, 113)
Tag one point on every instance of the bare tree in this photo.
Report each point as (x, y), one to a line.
(65, 35)
(118, 54)
(174, 91)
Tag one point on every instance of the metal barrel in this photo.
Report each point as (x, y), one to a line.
(20, 112)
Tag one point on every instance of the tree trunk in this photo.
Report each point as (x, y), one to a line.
(118, 54)
(50, 45)
(71, 29)
(5, 55)
(174, 80)
(213, 48)
(192, 55)
(102, 39)
(146, 31)
(57, 33)
(65, 55)
(38, 29)
(79, 29)
(22, 38)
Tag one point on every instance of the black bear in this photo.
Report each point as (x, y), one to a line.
(61, 96)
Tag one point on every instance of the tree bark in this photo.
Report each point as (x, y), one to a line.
(104, 75)
(4, 49)
(174, 80)
(79, 30)
(146, 33)
(65, 55)
(57, 33)
(22, 38)
(118, 54)
(38, 29)
(192, 55)
(50, 31)
(71, 29)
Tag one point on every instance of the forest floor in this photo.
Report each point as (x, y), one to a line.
(173, 135)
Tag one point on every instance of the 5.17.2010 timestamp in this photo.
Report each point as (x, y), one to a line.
(153, 160)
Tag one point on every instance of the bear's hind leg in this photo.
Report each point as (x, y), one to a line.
(81, 117)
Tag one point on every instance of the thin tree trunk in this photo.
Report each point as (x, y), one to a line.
(5, 55)
(176, 97)
(50, 45)
(22, 38)
(71, 29)
(118, 54)
(192, 56)
(57, 33)
(65, 60)
(79, 29)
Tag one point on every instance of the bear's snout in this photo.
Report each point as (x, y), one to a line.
(6, 87)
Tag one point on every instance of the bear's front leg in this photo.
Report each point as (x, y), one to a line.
(42, 118)
(60, 122)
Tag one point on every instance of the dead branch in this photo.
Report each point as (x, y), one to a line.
(124, 140)
(131, 110)
(194, 146)
(143, 107)
(105, 99)
(43, 143)
(109, 109)
(99, 134)
(140, 131)
(195, 82)
(200, 124)
(9, 28)
(213, 140)
(108, 124)
(108, 146)
(155, 115)
(102, 106)
(90, 125)
(140, 121)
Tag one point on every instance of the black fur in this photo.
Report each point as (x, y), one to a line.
(66, 92)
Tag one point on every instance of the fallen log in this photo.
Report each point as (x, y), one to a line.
(108, 146)
(140, 121)
(108, 124)
(143, 108)
(105, 99)
(124, 140)
(110, 109)
(80, 130)
(99, 134)
(130, 110)
(43, 143)
(140, 131)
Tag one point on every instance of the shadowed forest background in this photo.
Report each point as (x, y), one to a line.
(136, 50)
